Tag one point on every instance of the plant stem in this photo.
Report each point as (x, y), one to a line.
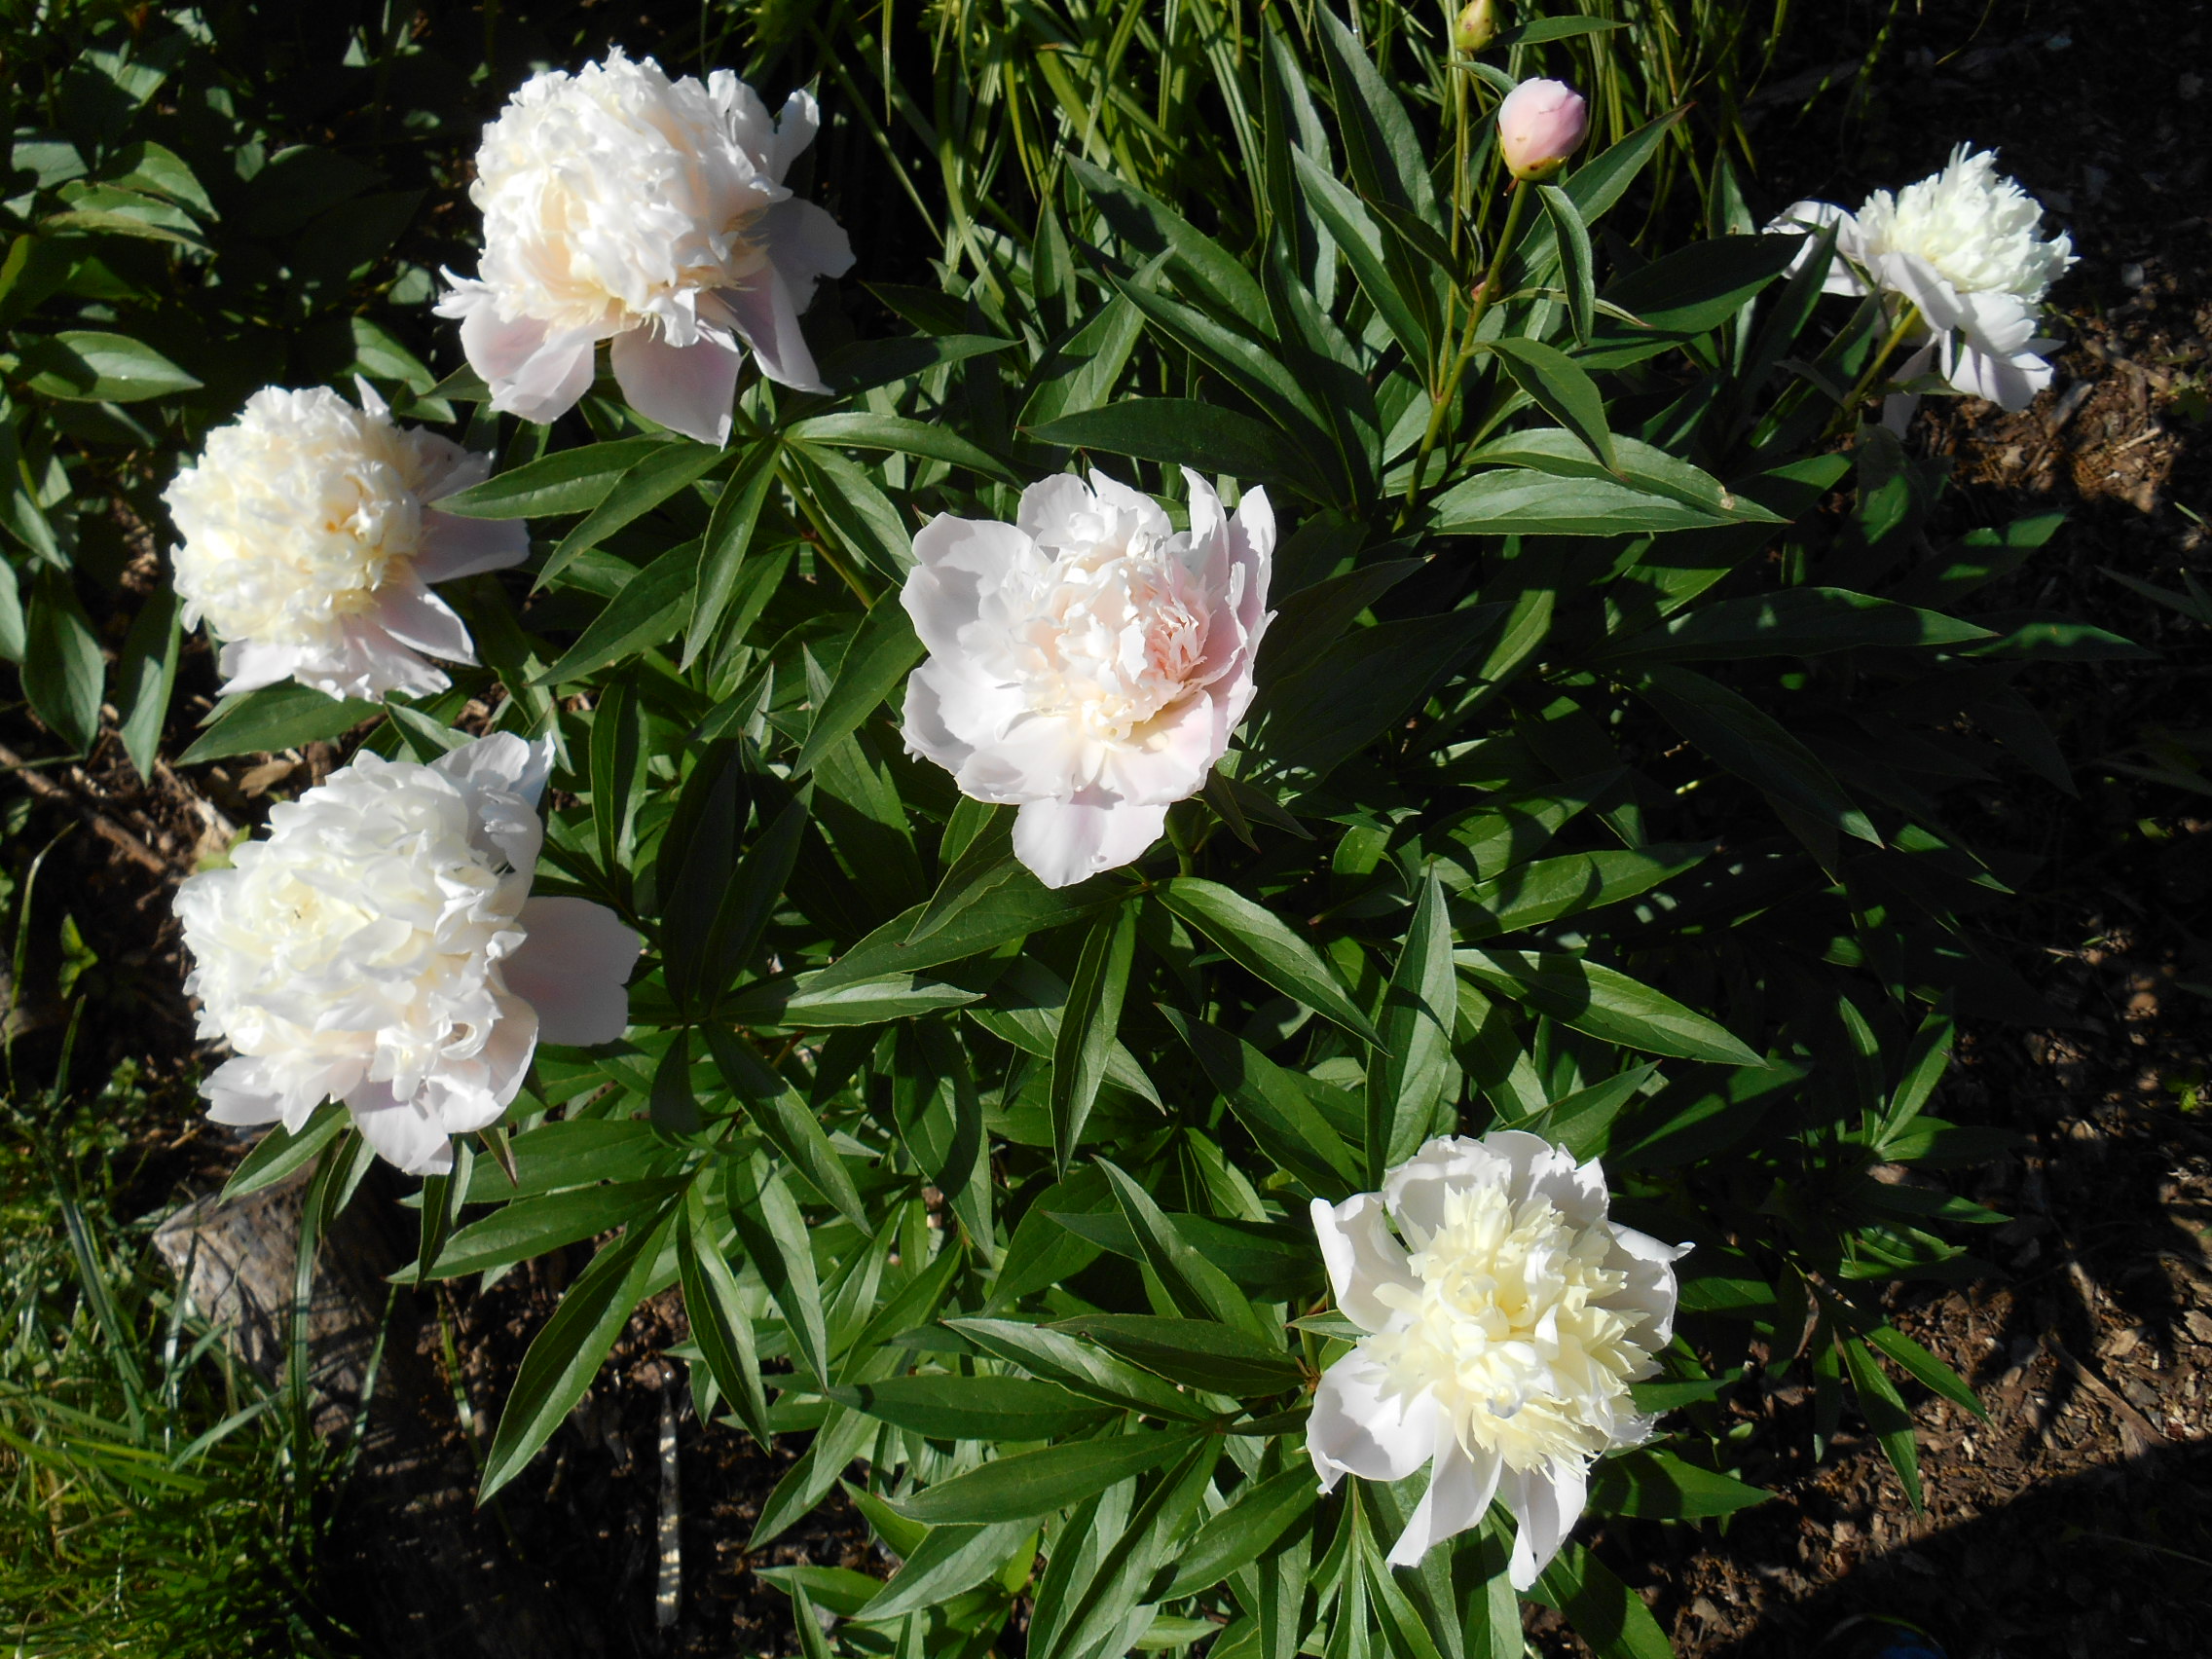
(1907, 321)
(1516, 210)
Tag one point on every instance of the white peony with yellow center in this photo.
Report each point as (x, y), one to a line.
(620, 204)
(380, 947)
(1503, 1333)
(1087, 662)
(307, 537)
(1961, 247)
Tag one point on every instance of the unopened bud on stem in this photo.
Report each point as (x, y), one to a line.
(1539, 125)
(1477, 26)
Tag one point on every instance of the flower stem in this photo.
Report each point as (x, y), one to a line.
(1516, 210)
(1907, 321)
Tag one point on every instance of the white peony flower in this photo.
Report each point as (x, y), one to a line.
(1504, 1334)
(621, 206)
(1962, 247)
(309, 539)
(380, 946)
(1088, 661)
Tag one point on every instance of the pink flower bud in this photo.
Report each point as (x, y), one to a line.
(1538, 126)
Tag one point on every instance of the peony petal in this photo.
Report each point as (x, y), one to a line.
(400, 1131)
(572, 969)
(1361, 1256)
(501, 762)
(687, 388)
(453, 547)
(805, 244)
(951, 712)
(413, 616)
(496, 349)
(1059, 511)
(1546, 1502)
(765, 317)
(1067, 841)
(1357, 1428)
(1459, 1490)
(1650, 1288)
(1805, 219)
(238, 1093)
(248, 665)
(957, 563)
(1113, 493)
(548, 385)
(1169, 759)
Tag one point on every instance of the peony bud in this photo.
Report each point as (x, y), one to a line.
(1539, 125)
(1477, 26)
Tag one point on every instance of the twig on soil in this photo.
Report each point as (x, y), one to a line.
(102, 826)
(2133, 1423)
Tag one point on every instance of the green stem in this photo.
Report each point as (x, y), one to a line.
(1907, 321)
(1516, 210)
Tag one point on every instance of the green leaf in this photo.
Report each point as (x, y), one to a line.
(574, 1152)
(1196, 1353)
(1605, 1003)
(148, 165)
(1605, 1612)
(568, 481)
(722, 549)
(1263, 946)
(1657, 1484)
(1741, 737)
(659, 473)
(720, 1324)
(866, 430)
(275, 717)
(146, 677)
(649, 611)
(948, 1561)
(775, 1237)
(793, 1128)
(1086, 1038)
(882, 652)
(1884, 1410)
(1406, 1076)
(1368, 682)
(1643, 465)
(534, 1227)
(566, 1355)
(1079, 1366)
(1194, 1284)
(1562, 388)
(1382, 147)
(1582, 1121)
(1807, 621)
(281, 1151)
(1274, 1106)
(1522, 502)
(994, 1409)
(1572, 884)
(1180, 432)
(1107, 1604)
(1578, 262)
(1019, 906)
(1031, 1483)
(1149, 228)
(92, 366)
(63, 665)
(1365, 248)
(1925, 1367)
(1260, 1513)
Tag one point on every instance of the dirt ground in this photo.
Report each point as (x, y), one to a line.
(2078, 1520)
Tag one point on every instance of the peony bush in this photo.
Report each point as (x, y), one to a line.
(1223, 861)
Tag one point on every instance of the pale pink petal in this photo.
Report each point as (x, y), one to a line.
(502, 763)
(1066, 841)
(1459, 1490)
(1111, 493)
(247, 665)
(1359, 1427)
(1807, 218)
(765, 317)
(1546, 1502)
(413, 616)
(1649, 1267)
(1362, 1256)
(238, 1093)
(550, 382)
(951, 712)
(572, 969)
(687, 388)
(1059, 511)
(957, 562)
(805, 244)
(453, 547)
(1180, 748)
(496, 349)
(402, 1132)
